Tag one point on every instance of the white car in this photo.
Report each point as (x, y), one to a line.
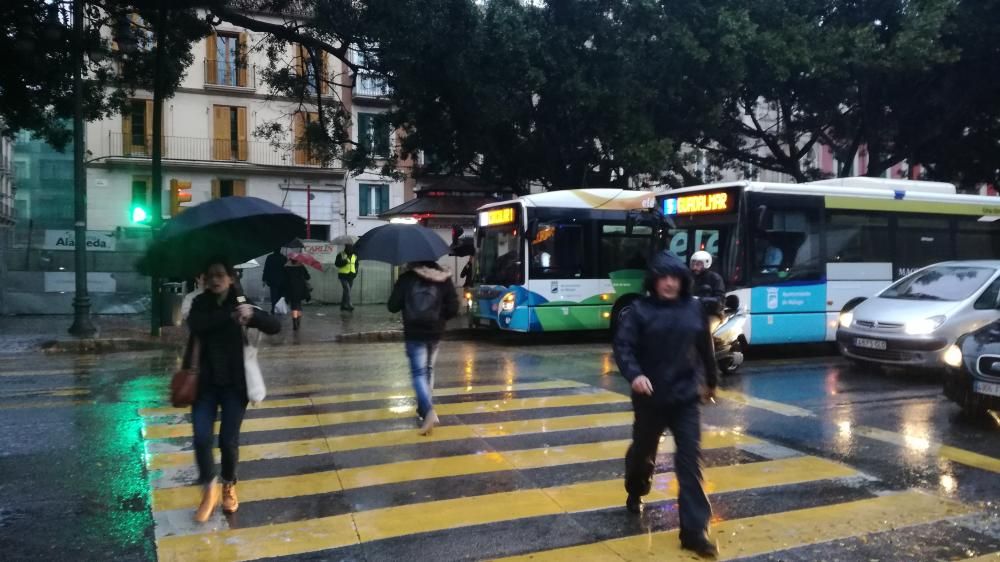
(916, 319)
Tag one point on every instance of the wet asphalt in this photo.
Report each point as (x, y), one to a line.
(79, 473)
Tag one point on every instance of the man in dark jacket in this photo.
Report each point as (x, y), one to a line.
(664, 349)
(426, 296)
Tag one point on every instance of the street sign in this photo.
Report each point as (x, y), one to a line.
(97, 240)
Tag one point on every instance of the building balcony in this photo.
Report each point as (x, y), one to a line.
(229, 74)
(368, 86)
(211, 151)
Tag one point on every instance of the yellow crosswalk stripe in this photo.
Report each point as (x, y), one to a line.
(331, 532)
(161, 431)
(396, 394)
(165, 499)
(764, 534)
(317, 446)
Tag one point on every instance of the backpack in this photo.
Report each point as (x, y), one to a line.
(423, 303)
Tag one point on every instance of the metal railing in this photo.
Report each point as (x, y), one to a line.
(368, 86)
(226, 73)
(208, 150)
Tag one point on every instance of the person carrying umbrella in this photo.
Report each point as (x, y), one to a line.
(664, 348)
(296, 289)
(217, 319)
(274, 276)
(426, 295)
(347, 271)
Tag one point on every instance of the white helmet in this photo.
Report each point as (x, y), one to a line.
(704, 257)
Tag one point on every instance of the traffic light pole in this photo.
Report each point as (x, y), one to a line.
(82, 325)
(156, 205)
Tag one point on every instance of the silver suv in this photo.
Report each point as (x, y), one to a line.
(916, 319)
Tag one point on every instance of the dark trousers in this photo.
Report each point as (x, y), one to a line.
(684, 423)
(276, 294)
(233, 402)
(346, 283)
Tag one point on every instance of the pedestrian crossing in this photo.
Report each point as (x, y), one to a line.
(518, 471)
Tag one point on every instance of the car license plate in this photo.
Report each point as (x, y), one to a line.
(870, 344)
(990, 388)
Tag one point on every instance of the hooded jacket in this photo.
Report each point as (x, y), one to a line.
(425, 273)
(667, 341)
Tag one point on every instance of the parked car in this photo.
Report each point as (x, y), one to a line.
(973, 377)
(915, 320)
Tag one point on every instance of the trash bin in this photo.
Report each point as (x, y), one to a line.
(172, 298)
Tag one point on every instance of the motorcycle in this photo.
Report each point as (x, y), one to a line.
(726, 322)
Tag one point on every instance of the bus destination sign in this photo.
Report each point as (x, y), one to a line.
(494, 217)
(699, 203)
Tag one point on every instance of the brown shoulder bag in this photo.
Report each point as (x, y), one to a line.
(184, 384)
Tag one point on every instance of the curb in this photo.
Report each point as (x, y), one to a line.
(113, 345)
(397, 335)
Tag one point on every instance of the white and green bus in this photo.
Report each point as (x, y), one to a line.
(559, 260)
(796, 254)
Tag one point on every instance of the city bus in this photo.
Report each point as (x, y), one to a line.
(796, 254)
(559, 260)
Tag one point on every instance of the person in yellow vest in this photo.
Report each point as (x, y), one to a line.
(347, 270)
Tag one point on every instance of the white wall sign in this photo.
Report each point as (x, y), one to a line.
(97, 240)
(65, 282)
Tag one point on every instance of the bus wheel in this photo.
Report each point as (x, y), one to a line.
(621, 308)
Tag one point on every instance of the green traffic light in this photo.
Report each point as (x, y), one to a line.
(139, 215)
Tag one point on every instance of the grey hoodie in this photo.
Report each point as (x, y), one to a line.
(425, 273)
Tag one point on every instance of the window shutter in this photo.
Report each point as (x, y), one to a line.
(242, 61)
(298, 131)
(382, 133)
(148, 141)
(300, 61)
(241, 133)
(127, 132)
(239, 188)
(324, 83)
(216, 189)
(221, 133)
(364, 131)
(364, 200)
(211, 64)
(383, 199)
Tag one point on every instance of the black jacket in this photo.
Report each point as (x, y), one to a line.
(709, 284)
(449, 301)
(296, 285)
(274, 270)
(667, 341)
(221, 339)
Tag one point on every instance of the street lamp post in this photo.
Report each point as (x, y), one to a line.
(82, 324)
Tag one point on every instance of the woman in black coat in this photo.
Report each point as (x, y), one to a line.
(217, 321)
(296, 289)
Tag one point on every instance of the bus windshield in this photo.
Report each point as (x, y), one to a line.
(500, 260)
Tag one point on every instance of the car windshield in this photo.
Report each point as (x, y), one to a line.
(942, 283)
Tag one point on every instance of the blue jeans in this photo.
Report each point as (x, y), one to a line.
(233, 402)
(422, 355)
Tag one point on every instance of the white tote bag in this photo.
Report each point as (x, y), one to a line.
(256, 391)
(281, 307)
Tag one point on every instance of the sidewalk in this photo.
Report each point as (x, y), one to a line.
(22, 334)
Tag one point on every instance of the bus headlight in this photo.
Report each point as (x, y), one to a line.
(923, 326)
(953, 356)
(846, 319)
(507, 302)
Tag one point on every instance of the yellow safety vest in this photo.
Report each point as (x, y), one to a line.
(349, 268)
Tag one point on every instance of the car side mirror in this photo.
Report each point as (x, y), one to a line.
(732, 302)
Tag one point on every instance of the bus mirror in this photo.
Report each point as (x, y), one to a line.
(532, 232)
(631, 218)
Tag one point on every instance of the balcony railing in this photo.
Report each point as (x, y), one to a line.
(368, 86)
(195, 149)
(232, 74)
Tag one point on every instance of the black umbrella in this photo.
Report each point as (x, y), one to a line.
(401, 243)
(236, 229)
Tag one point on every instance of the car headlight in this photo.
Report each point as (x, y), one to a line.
(846, 319)
(953, 356)
(924, 326)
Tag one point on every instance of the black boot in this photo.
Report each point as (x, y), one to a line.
(295, 323)
(702, 547)
(634, 504)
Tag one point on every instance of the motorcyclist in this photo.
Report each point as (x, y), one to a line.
(707, 283)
